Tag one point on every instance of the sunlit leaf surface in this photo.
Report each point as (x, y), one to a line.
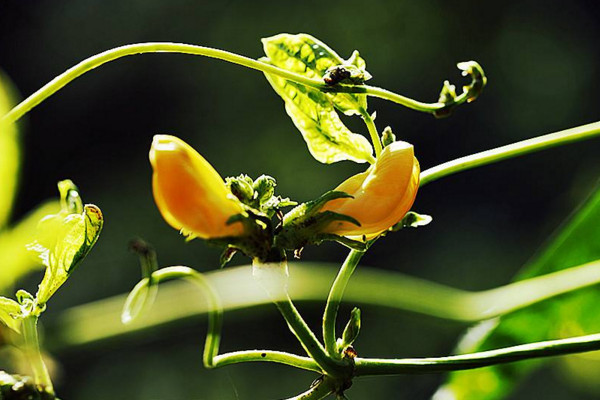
(309, 56)
(9, 152)
(8, 308)
(64, 239)
(313, 111)
(15, 260)
(570, 315)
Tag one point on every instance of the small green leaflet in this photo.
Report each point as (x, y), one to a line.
(64, 239)
(9, 152)
(573, 314)
(312, 111)
(8, 309)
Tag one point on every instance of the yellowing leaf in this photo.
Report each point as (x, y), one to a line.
(309, 56)
(9, 151)
(312, 111)
(8, 309)
(328, 139)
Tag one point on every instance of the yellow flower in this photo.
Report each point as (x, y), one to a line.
(382, 195)
(189, 193)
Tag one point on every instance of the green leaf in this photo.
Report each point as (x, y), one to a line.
(15, 260)
(64, 239)
(570, 315)
(311, 110)
(309, 56)
(352, 328)
(9, 310)
(10, 154)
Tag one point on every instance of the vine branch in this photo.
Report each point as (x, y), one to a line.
(167, 47)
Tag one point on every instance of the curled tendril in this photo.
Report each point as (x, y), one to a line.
(448, 96)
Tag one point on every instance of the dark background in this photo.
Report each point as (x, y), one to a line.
(543, 66)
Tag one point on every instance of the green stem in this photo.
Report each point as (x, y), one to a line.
(166, 47)
(215, 316)
(372, 132)
(308, 340)
(269, 356)
(512, 150)
(334, 299)
(211, 359)
(317, 391)
(34, 355)
(373, 366)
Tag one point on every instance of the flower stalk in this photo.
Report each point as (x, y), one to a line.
(34, 355)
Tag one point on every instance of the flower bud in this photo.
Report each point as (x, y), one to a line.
(381, 195)
(189, 193)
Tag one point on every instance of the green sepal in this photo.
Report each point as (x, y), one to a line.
(352, 329)
(241, 187)
(264, 188)
(387, 136)
(258, 195)
(350, 243)
(257, 240)
(326, 217)
(227, 255)
(305, 223)
(412, 220)
(312, 207)
(10, 312)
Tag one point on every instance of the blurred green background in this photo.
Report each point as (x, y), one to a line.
(543, 69)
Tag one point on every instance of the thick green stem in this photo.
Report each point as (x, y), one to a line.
(319, 390)
(368, 366)
(308, 340)
(334, 299)
(509, 151)
(166, 47)
(34, 355)
(273, 278)
(372, 132)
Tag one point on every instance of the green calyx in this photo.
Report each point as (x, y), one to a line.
(268, 232)
(258, 195)
(305, 224)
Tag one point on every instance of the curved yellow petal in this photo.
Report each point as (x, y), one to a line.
(189, 193)
(382, 195)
